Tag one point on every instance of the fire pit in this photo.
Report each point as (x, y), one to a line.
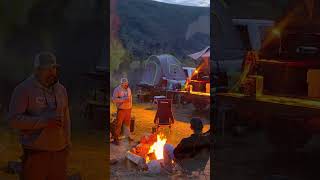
(148, 154)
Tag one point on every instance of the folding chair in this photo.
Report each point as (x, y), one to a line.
(195, 164)
(198, 162)
(164, 116)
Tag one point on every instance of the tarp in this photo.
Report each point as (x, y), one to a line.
(204, 56)
(162, 66)
(205, 53)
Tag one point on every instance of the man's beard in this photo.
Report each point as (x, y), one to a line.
(52, 80)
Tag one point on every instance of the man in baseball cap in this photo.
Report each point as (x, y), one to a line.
(45, 68)
(39, 110)
(122, 98)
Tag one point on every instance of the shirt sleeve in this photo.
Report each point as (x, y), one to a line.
(18, 117)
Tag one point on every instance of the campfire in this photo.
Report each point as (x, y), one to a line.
(149, 151)
(157, 148)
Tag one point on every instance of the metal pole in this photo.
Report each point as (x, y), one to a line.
(280, 45)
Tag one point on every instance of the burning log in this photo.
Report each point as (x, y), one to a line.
(149, 153)
(141, 149)
(148, 139)
(138, 160)
(151, 156)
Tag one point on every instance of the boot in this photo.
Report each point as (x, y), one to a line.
(116, 141)
(130, 139)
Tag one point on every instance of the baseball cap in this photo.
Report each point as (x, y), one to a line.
(124, 80)
(45, 60)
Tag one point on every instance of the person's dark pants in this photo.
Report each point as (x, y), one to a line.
(123, 118)
(44, 165)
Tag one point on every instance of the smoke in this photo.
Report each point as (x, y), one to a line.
(201, 25)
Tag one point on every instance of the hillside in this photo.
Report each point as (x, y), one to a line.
(148, 27)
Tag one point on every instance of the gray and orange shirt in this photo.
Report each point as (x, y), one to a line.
(122, 98)
(31, 106)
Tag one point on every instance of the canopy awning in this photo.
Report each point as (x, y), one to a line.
(205, 53)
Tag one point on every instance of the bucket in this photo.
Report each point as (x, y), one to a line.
(132, 121)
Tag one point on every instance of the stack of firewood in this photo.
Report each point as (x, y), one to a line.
(140, 153)
(143, 147)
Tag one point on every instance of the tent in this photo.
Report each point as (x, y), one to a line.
(162, 66)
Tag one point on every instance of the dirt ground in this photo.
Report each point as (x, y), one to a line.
(144, 114)
(88, 156)
(90, 152)
(251, 157)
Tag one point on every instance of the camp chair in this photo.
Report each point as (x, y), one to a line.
(156, 99)
(194, 165)
(197, 163)
(164, 116)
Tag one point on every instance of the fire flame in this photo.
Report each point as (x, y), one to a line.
(157, 147)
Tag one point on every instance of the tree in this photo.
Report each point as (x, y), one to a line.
(117, 55)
